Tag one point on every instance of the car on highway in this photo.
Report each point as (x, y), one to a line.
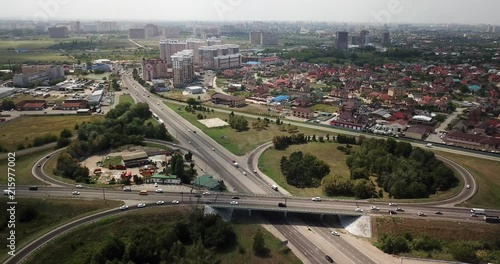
(76, 193)
(189, 142)
(335, 233)
(206, 193)
(421, 214)
(213, 149)
(393, 204)
(197, 195)
(127, 189)
(79, 186)
(194, 131)
(33, 188)
(358, 210)
(39, 165)
(391, 212)
(244, 173)
(329, 259)
(160, 202)
(438, 213)
(124, 207)
(233, 203)
(400, 209)
(175, 202)
(316, 199)
(159, 190)
(468, 186)
(235, 197)
(156, 184)
(141, 205)
(254, 171)
(281, 205)
(189, 130)
(208, 202)
(48, 157)
(374, 208)
(473, 215)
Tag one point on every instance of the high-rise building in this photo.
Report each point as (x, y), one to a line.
(205, 32)
(364, 37)
(151, 30)
(214, 41)
(154, 69)
(195, 45)
(137, 33)
(220, 56)
(75, 27)
(106, 26)
(169, 32)
(58, 32)
(386, 38)
(182, 67)
(263, 38)
(169, 47)
(342, 40)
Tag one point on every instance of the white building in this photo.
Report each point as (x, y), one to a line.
(194, 90)
(220, 56)
(183, 67)
(169, 47)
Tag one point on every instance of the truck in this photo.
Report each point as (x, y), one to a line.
(492, 219)
(478, 211)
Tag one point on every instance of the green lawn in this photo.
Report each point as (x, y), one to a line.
(269, 163)
(487, 177)
(113, 160)
(26, 44)
(78, 245)
(23, 168)
(126, 98)
(238, 143)
(325, 108)
(51, 213)
(33, 57)
(35, 126)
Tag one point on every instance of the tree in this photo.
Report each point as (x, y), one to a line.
(359, 173)
(66, 165)
(65, 133)
(8, 104)
(337, 185)
(363, 189)
(259, 245)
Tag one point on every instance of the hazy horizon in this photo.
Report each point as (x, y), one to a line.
(353, 11)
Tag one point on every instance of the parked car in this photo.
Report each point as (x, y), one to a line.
(141, 205)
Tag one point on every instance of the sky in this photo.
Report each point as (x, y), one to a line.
(349, 11)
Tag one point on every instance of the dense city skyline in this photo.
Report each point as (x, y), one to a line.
(376, 11)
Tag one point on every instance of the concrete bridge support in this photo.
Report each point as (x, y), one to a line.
(249, 212)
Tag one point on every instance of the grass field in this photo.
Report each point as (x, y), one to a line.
(51, 213)
(238, 143)
(35, 126)
(26, 44)
(269, 163)
(325, 108)
(126, 98)
(23, 168)
(487, 176)
(77, 246)
(22, 97)
(33, 57)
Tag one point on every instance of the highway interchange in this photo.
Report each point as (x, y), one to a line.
(312, 237)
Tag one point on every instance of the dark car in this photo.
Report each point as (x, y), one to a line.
(236, 197)
(392, 212)
(33, 188)
(208, 202)
(197, 195)
(329, 259)
(281, 205)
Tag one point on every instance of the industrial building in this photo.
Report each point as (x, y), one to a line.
(135, 159)
(194, 90)
(31, 105)
(40, 76)
(96, 98)
(182, 67)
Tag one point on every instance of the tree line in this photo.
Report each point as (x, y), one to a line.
(303, 170)
(194, 238)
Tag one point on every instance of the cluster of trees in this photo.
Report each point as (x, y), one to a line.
(403, 171)
(259, 245)
(303, 170)
(283, 142)
(261, 124)
(343, 139)
(178, 169)
(122, 125)
(45, 139)
(338, 185)
(192, 239)
(135, 75)
(68, 167)
(7, 104)
(238, 122)
(463, 251)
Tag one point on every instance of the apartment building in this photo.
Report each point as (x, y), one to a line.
(263, 38)
(169, 47)
(154, 68)
(195, 45)
(137, 33)
(183, 67)
(58, 32)
(220, 56)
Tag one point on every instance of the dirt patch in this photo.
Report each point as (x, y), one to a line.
(214, 122)
(443, 230)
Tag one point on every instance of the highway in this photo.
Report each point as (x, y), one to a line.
(254, 191)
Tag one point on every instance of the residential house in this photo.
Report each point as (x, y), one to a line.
(302, 113)
(229, 100)
(480, 142)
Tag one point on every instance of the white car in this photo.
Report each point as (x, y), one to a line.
(159, 190)
(160, 202)
(393, 204)
(206, 193)
(468, 186)
(141, 205)
(421, 214)
(374, 208)
(79, 186)
(316, 199)
(359, 210)
(335, 233)
(254, 171)
(244, 173)
(156, 184)
(189, 130)
(213, 149)
(233, 203)
(124, 207)
(76, 193)
(175, 202)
